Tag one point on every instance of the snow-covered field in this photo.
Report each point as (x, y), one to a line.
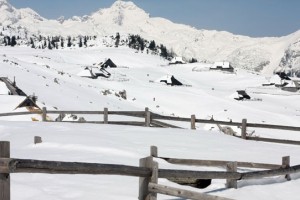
(52, 77)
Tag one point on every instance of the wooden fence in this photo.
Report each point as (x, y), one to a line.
(152, 119)
(148, 173)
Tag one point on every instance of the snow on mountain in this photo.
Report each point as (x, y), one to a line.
(259, 54)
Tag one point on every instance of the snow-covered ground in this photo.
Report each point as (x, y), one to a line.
(126, 145)
(52, 77)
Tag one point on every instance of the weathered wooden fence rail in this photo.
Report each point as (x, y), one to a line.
(151, 119)
(148, 173)
(231, 167)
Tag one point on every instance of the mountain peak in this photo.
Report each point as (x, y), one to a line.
(120, 13)
(123, 4)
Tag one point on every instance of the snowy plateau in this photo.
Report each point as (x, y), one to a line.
(54, 77)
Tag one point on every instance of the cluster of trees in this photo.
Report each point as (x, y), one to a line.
(140, 44)
(10, 41)
(56, 42)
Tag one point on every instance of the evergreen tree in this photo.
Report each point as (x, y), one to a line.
(53, 42)
(7, 41)
(69, 42)
(32, 43)
(13, 41)
(152, 45)
(85, 41)
(117, 40)
(80, 42)
(163, 51)
(49, 46)
(193, 60)
(45, 43)
(62, 42)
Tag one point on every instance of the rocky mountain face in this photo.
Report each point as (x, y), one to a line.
(260, 54)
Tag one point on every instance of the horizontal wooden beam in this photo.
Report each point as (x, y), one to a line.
(218, 163)
(55, 167)
(171, 173)
(140, 114)
(167, 190)
(281, 141)
(157, 116)
(271, 126)
(75, 112)
(163, 124)
(270, 173)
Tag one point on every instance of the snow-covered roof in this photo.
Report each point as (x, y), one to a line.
(275, 79)
(3, 89)
(166, 78)
(292, 84)
(224, 65)
(169, 80)
(177, 60)
(87, 72)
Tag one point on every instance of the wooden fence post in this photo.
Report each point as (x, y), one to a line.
(286, 164)
(244, 129)
(147, 117)
(37, 139)
(44, 114)
(193, 122)
(105, 116)
(144, 181)
(231, 167)
(153, 151)
(4, 178)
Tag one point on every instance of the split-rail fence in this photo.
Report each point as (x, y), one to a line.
(148, 173)
(154, 120)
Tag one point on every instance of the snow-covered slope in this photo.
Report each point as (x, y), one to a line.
(51, 75)
(126, 145)
(260, 54)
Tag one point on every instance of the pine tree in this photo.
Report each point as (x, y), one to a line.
(80, 42)
(152, 45)
(69, 42)
(13, 41)
(117, 40)
(85, 41)
(163, 51)
(45, 43)
(49, 46)
(62, 42)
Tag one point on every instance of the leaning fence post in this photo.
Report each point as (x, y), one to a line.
(231, 167)
(153, 151)
(44, 114)
(193, 122)
(147, 117)
(286, 164)
(244, 129)
(4, 178)
(105, 116)
(144, 181)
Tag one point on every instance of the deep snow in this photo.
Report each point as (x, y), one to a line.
(52, 76)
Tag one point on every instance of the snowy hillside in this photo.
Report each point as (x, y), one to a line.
(259, 54)
(48, 74)
(52, 75)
